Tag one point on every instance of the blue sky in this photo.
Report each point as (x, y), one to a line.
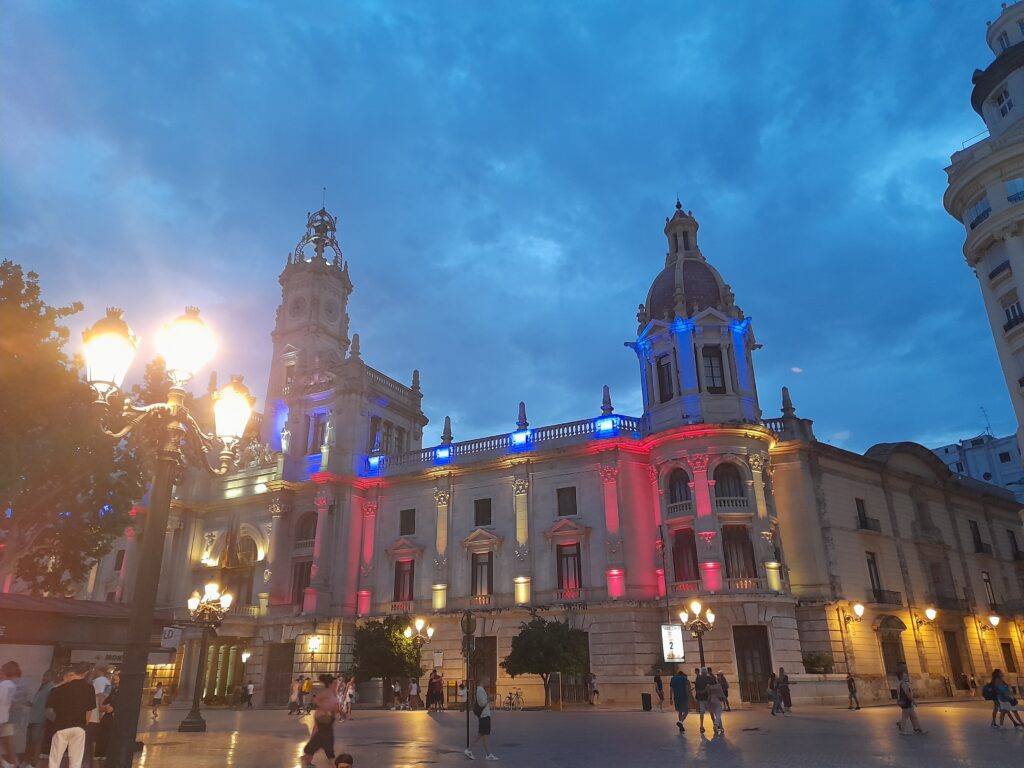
(502, 171)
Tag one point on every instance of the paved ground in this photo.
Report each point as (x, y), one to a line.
(959, 736)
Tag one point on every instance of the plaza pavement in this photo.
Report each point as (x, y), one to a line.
(818, 737)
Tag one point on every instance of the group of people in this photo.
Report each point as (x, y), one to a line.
(708, 693)
(302, 695)
(406, 694)
(72, 712)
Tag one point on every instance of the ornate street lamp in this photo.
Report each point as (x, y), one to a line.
(206, 612)
(186, 345)
(420, 636)
(993, 622)
(857, 615)
(313, 643)
(698, 626)
(929, 617)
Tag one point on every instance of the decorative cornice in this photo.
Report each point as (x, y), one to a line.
(757, 461)
(520, 486)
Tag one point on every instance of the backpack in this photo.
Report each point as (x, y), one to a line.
(477, 709)
(988, 692)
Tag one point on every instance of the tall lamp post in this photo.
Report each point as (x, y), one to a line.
(186, 345)
(420, 633)
(468, 624)
(206, 612)
(698, 626)
(313, 646)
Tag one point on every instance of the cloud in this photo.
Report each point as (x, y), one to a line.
(501, 174)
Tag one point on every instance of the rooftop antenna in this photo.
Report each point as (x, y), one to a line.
(324, 200)
(988, 424)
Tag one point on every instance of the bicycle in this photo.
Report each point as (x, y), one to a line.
(514, 700)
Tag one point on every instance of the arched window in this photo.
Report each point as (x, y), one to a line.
(728, 483)
(678, 486)
(305, 530)
(247, 551)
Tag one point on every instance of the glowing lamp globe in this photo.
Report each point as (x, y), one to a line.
(232, 407)
(711, 616)
(994, 621)
(930, 614)
(193, 602)
(313, 644)
(430, 632)
(110, 347)
(858, 609)
(419, 625)
(246, 656)
(408, 632)
(186, 345)
(695, 607)
(684, 617)
(211, 591)
(226, 600)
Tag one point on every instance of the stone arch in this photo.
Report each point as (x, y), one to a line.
(258, 536)
(305, 527)
(731, 477)
(677, 485)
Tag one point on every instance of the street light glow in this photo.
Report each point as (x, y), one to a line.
(186, 345)
(711, 616)
(684, 617)
(193, 602)
(695, 607)
(994, 621)
(110, 347)
(858, 609)
(232, 407)
(419, 625)
(930, 614)
(408, 632)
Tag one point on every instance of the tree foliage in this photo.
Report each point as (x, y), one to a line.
(543, 647)
(65, 489)
(381, 650)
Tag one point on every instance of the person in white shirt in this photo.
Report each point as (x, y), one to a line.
(101, 686)
(482, 709)
(8, 688)
(250, 689)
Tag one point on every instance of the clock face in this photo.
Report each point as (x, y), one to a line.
(297, 307)
(331, 310)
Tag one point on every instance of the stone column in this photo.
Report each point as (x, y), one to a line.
(688, 380)
(522, 567)
(615, 571)
(171, 560)
(439, 581)
(275, 575)
(186, 672)
(364, 599)
(319, 570)
(709, 546)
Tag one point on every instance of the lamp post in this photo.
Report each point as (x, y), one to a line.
(186, 345)
(206, 612)
(313, 646)
(698, 626)
(420, 636)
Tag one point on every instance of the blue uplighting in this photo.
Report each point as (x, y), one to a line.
(606, 426)
(740, 326)
(682, 326)
(373, 462)
(313, 462)
(442, 454)
(520, 440)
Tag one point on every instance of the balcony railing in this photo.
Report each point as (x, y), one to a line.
(731, 502)
(573, 594)
(866, 523)
(886, 597)
(304, 545)
(401, 606)
(684, 587)
(980, 218)
(479, 599)
(775, 425)
(1004, 267)
(947, 603)
(745, 585)
(1013, 322)
(249, 611)
(681, 508)
(1016, 197)
(981, 548)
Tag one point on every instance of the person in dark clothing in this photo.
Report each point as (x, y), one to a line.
(659, 691)
(787, 701)
(700, 693)
(107, 717)
(71, 702)
(679, 686)
(725, 690)
(851, 687)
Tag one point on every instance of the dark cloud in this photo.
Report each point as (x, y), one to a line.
(502, 170)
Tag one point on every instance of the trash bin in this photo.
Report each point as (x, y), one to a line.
(645, 701)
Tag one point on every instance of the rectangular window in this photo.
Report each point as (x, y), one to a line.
(401, 443)
(1020, 26)
(1004, 41)
(111, 597)
(686, 241)
(714, 375)
(482, 513)
(665, 391)
(404, 571)
(1012, 309)
(1004, 103)
(1015, 190)
(876, 580)
(739, 552)
(978, 212)
(407, 522)
(289, 377)
(862, 511)
(1004, 457)
(301, 577)
(483, 573)
(570, 572)
(1014, 546)
(960, 467)
(975, 535)
(119, 560)
(989, 592)
(374, 431)
(1009, 660)
(317, 425)
(566, 501)
(684, 555)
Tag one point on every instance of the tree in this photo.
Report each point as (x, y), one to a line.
(543, 647)
(381, 650)
(65, 489)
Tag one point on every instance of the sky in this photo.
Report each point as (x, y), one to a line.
(501, 172)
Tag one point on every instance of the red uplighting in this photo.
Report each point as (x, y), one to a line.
(712, 575)
(616, 583)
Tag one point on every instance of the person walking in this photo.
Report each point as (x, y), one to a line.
(716, 700)
(250, 690)
(595, 694)
(774, 696)
(295, 696)
(37, 718)
(70, 702)
(344, 760)
(907, 704)
(1005, 703)
(9, 672)
(787, 701)
(700, 692)
(414, 694)
(101, 686)
(725, 690)
(157, 700)
(463, 695)
(109, 712)
(659, 691)
(305, 696)
(974, 686)
(326, 706)
(482, 710)
(679, 687)
(851, 689)
(350, 697)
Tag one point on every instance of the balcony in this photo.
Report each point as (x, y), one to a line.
(244, 611)
(684, 587)
(731, 502)
(401, 606)
(865, 523)
(981, 548)
(746, 585)
(304, 546)
(1003, 268)
(571, 595)
(479, 600)
(1012, 323)
(947, 603)
(886, 597)
(980, 218)
(1016, 197)
(680, 508)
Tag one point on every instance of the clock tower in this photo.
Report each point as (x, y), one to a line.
(310, 335)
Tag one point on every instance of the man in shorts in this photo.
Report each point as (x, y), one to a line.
(482, 709)
(679, 687)
(700, 692)
(326, 706)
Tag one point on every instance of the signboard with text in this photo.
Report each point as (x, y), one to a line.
(672, 643)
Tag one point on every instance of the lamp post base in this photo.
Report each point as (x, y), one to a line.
(193, 723)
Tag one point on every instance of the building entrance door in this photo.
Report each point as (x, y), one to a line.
(956, 663)
(753, 662)
(890, 630)
(280, 657)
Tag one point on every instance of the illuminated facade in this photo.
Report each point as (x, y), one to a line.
(615, 522)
